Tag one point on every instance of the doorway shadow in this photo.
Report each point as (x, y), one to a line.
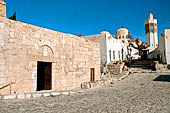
(163, 78)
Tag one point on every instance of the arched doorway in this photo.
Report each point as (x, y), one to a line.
(44, 68)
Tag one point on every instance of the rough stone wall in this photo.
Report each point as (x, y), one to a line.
(100, 38)
(2, 8)
(115, 68)
(22, 45)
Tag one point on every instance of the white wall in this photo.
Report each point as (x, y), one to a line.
(152, 38)
(116, 46)
(152, 41)
(108, 43)
(167, 45)
(164, 47)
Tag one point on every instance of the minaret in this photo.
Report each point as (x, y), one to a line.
(2, 9)
(151, 32)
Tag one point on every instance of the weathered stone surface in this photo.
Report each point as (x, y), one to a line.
(136, 94)
(1, 25)
(23, 45)
(115, 68)
(36, 95)
(2, 9)
(46, 94)
(28, 95)
(65, 93)
(20, 96)
(85, 85)
(6, 97)
(56, 93)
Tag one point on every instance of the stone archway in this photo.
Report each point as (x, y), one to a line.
(45, 53)
(45, 59)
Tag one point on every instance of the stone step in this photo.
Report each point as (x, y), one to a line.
(36, 95)
(139, 65)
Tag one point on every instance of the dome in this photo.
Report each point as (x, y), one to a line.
(122, 33)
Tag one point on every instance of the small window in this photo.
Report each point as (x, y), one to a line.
(110, 54)
(113, 54)
(119, 54)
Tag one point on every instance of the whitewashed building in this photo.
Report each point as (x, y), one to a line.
(110, 48)
(151, 32)
(163, 50)
(124, 36)
(114, 48)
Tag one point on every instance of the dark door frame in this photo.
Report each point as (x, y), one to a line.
(44, 75)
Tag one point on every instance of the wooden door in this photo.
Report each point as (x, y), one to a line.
(92, 75)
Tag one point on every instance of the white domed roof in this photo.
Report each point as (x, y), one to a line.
(122, 32)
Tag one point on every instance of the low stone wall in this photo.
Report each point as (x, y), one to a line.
(105, 80)
(155, 65)
(115, 68)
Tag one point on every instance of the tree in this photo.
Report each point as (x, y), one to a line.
(140, 46)
(13, 17)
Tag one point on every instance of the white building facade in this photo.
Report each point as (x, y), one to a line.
(114, 48)
(164, 47)
(110, 48)
(151, 32)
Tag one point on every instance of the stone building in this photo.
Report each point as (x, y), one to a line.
(34, 58)
(163, 50)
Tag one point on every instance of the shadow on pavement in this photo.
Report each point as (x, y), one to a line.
(163, 78)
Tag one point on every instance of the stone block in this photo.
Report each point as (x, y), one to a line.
(2, 68)
(2, 61)
(65, 93)
(20, 96)
(12, 34)
(72, 92)
(1, 37)
(2, 31)
(7, 97)
(85, 85)
(1, 25)
(1, 43)
(1, 55)
(36, 95)
(28, 96)
(55, 93)
(4, 80)
(46, 94)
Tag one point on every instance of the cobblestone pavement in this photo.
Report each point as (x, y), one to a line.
(139, 93)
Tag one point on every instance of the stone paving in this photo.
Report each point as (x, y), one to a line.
(138, 93)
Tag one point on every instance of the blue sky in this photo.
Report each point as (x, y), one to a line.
(91, 16)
